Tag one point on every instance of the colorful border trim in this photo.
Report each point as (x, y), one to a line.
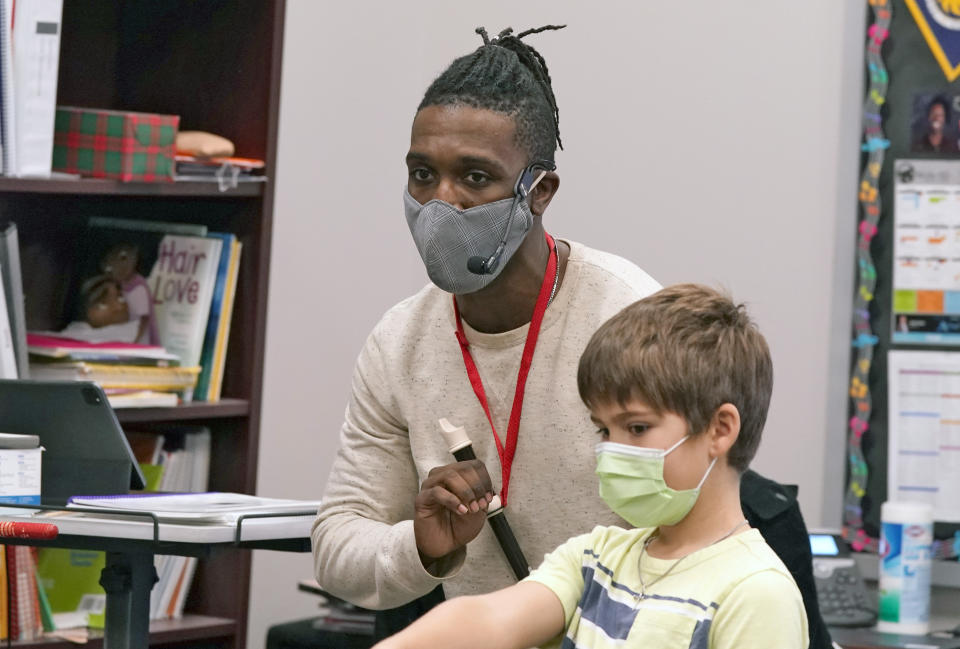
(875, 146)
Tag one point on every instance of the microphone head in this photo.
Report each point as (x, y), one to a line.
(477, 265)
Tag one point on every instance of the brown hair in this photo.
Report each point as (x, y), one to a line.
(686, 349)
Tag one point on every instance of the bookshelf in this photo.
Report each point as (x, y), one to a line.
(217, 65)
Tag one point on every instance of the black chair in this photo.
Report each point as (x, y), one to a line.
(773, 509)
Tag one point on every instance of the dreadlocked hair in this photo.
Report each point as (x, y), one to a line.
(507, 76)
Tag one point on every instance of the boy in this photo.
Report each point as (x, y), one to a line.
(678, 384)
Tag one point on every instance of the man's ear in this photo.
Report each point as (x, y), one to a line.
(544, 192)
(724, 429)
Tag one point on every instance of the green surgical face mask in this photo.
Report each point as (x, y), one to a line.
(632, 485)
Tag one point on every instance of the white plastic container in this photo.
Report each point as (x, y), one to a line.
(906, 552)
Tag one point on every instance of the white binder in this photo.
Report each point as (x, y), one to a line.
(36, 59)
(7, 104)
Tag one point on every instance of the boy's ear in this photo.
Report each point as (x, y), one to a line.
(724, 429)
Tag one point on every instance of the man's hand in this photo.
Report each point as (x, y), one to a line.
(451, 508)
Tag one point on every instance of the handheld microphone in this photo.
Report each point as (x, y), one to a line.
(479, 265)
(462, 449)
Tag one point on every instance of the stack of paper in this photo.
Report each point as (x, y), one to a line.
(200, 509)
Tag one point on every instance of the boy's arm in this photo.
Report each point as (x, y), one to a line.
(527, 614)
(764, 610)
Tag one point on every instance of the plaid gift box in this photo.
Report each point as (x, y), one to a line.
(132, 147)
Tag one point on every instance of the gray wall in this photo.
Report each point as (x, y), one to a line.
(709, 142)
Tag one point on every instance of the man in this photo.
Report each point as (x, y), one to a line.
(492, 345)
(481, 177)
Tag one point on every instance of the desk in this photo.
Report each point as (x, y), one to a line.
(944, 615)
(871, 639)
(131, 541)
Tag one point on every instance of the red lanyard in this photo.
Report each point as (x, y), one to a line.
(513, 427)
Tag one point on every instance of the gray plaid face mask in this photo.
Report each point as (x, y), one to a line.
(447, 238)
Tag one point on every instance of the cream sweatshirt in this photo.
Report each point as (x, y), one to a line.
(409, 374)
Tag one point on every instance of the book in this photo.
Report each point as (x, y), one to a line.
(4, 620)
(25, 616)
(13, 289)
(36, 57)
(223, 329)
(129, 377)
(8, 357)
(112, 253)
(175, 610)
(164, 565)
(57, 347)
(185, 458)
(176, 460)
(153, 475)
(46, 614)
(146, 446)
(7, 94)
(175, 580)
(182, 282)
(120, 399)
(202, 391)
(71, 580)
(104, 358)
(197, 445)
(197, 508)
(166, 273)
(13, 599)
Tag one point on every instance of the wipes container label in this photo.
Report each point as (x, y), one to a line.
(905, 556)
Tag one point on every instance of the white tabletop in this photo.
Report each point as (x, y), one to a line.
(142, 528)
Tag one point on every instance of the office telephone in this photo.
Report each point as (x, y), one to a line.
(841, 594)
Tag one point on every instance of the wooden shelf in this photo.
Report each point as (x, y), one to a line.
(189, 628)
(197, 410)
(217, 66)
(101, 187)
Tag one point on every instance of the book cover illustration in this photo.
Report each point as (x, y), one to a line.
(182, 283)
(110, 298)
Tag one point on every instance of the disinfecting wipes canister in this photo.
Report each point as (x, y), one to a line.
(906, 550)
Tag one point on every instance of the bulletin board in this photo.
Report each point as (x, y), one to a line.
(906, 315)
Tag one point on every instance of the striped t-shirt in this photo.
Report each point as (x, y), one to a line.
(735, 593)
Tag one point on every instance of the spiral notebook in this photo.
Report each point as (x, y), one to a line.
(199, 508)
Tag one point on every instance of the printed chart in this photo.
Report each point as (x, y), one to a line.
(926, 250)
(924, 434)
